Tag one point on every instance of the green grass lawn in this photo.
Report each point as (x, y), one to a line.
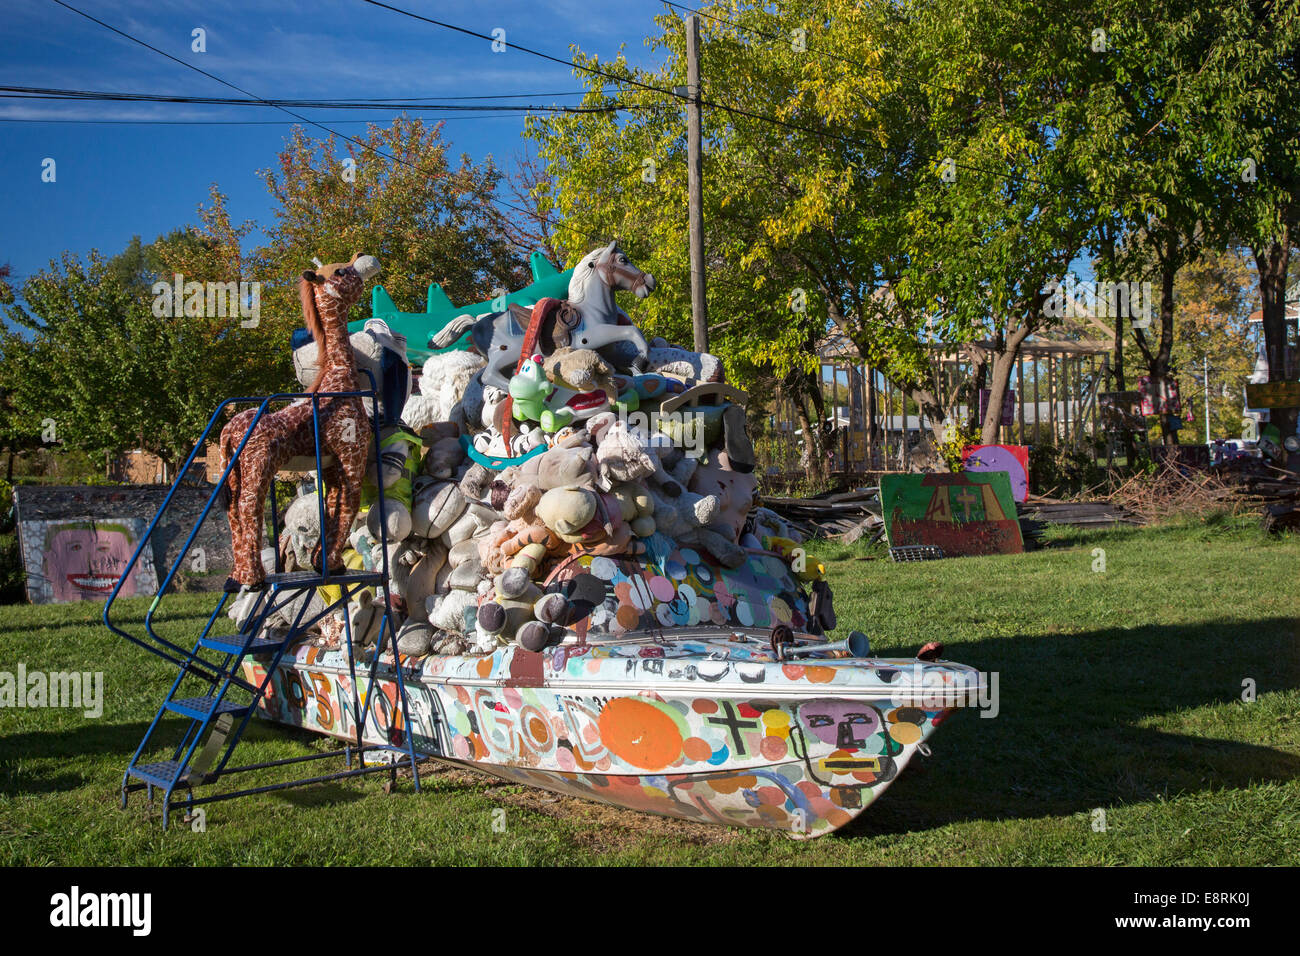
(1120, 690)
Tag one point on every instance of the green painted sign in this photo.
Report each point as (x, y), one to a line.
(966, 513)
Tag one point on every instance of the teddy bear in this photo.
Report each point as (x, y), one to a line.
(764, 522)
(620, 454)
(399, 457)
(584, 386)
(736, 491)
(444, 383)
(414, 575)
(519, 610)
(445, 453)
(301, 529)
(510, 608)
(453, 610)
(689, 518)
(378, 350)
(568, 463)
(437, 505)
(524, 540)
(682, 363)
(637, 507)
(590, 521)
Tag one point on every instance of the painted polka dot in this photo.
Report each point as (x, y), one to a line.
(662, 588)
(745, 613)
(773, 748)
(905, 733)
(780, 610)
(640, 596)
(627, 617)
(702, 705)
(603, 568)
(640, 734)
(697, 749)
(777, 723)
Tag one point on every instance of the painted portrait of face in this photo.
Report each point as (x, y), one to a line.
(84, 559)
(845, 725)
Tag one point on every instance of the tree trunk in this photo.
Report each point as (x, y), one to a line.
(1160, 371)
(1004, 363)
(1126, 436)
(811, 442)
(1157, 362)
(1273, 262)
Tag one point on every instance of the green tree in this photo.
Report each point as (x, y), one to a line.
(109, 372)
(1252, 119)
(403, 200)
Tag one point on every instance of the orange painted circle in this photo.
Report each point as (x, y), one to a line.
(537, 730)
(905, 733)
(640, 734)
(697, 749)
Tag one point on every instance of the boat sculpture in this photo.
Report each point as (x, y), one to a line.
(670, 657)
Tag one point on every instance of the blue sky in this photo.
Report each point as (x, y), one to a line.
(117, 180)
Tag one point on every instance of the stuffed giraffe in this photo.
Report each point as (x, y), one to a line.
(326, 294)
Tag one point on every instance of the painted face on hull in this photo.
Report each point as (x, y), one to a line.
(845, 725)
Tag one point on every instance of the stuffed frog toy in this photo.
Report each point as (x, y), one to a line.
(530, 388)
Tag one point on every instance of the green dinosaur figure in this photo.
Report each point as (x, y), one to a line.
(419, 327)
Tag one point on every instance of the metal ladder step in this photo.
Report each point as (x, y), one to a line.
(201, 707)
(160, 774)
(234, 644)
(314, 579)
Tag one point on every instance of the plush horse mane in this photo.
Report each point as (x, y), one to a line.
(311, 318)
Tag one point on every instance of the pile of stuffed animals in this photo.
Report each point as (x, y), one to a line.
(559, 432)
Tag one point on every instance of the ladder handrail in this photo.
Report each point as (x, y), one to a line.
(264, 402)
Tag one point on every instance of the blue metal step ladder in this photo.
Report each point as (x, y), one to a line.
(218, 714)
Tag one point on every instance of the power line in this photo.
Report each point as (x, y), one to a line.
(35, 93)
(366, 146)
(200, 122)
(515, 46)
(734, 110)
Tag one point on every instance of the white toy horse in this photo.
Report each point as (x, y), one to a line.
(598, 276)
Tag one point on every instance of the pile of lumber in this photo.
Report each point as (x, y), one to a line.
(846, 516)
(1090, 514)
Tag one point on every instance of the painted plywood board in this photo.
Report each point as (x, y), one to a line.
(967, 513)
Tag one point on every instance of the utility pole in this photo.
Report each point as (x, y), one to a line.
(1207, 399)
(695, 184)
